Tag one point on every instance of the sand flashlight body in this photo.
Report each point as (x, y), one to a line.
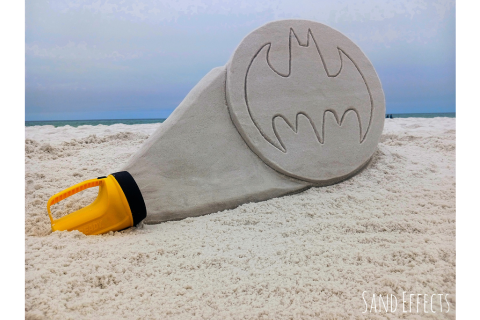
(119, 205)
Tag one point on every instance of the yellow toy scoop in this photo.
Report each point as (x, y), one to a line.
(119, 205)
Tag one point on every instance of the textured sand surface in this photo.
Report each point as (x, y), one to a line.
(387, 230)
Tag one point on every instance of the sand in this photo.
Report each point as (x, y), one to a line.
(306, 256)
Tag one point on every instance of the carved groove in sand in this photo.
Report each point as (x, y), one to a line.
(328, 99)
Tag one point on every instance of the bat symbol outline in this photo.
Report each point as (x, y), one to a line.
(332, 90)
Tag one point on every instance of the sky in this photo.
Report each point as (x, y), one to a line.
(125, 59)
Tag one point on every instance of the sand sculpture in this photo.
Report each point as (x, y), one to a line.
(298, 105)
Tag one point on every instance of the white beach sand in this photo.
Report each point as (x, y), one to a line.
(311, 255)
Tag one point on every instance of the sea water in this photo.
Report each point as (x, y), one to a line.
(76, 123)
(107, 122)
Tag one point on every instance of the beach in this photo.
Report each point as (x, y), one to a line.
(388, 230)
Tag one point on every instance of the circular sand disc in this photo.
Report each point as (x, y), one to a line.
(306, 100)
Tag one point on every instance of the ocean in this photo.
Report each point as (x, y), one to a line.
(424, 115)
(108, 122)
(77, 123)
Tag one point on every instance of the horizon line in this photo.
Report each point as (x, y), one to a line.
(98, 119)
(166, 118)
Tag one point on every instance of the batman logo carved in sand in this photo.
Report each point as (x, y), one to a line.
(307, 90)
(306, 100)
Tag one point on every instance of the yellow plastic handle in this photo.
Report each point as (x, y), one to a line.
(70, 192)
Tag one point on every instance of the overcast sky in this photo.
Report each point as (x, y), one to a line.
(112, 59)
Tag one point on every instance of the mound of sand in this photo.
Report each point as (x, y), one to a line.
(311, 255)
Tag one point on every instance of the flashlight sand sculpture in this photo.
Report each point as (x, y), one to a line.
(297, 105)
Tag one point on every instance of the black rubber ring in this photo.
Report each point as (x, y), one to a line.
(133, 195)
